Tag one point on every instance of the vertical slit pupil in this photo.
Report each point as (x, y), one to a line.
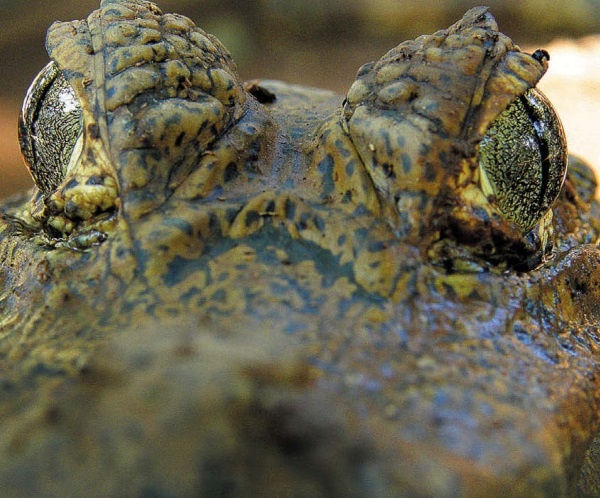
(543, 145)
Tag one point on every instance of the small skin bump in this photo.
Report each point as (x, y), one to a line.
(117, 12)
(177, 23)
(358, 92)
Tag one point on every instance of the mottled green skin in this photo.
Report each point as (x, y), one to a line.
(309, 297)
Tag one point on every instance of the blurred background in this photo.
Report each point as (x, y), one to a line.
(322, 43)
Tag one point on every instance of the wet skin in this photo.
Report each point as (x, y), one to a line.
(215, 283)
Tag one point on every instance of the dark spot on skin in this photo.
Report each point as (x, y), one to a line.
(482, 214)
(122, 253)
(93, 131)
(406, 163)
(388, 146)
(319, 223)
(181, 224)
(342, 150)
(364, 69)
(184, 350)
(72, 184)
(252, 217)
(424, 149)
(112, 13)
(445, 79)
(350, 167)
(253, 151)
(95, 180)
(231, 214)
(325, 167)
(361, 210)
(231, 172)
(347, 196)
(179, 139)
(376, 246)
(388, 169)
(110, 93)
(429, 172)
(270, 207)
(450, 292)
(579, 288)
(219, 296)
(213, 223)
(474, 295)
(290, 209)
(52, 415)
(303, 223)
(341, 240)
(361, 233)
(178, 269)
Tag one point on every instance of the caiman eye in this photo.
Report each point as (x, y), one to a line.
(523, 159)
(49, 127)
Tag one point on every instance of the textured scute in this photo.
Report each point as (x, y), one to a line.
(415, 118)
(266, 289)
(155, 91)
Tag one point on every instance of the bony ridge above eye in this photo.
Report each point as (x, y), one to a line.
(49, 127)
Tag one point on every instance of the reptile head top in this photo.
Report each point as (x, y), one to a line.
(444, 137)
(414, 240)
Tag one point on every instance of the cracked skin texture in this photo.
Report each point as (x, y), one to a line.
(304, 297)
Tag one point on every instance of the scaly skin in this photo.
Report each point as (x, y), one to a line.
(309, 296)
